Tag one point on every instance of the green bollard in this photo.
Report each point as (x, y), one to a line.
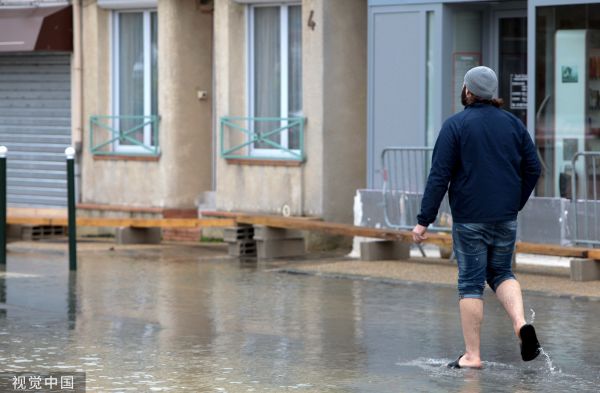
(70, 154)
(3, 151)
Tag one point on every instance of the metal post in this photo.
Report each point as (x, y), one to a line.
(72, 300)
(3, 151)
(70, 154)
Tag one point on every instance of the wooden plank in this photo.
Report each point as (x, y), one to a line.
(339, 229)
(126, 222)
(594, 254)
(57, 221)
(299, 223)
(553, 250)
(406, 236)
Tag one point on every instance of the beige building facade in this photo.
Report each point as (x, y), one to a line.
(196, 64)
(180, 169)
(333, 102)
(175, 107)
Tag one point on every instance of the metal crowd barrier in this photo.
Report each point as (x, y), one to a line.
(584, 198)
(405, 171)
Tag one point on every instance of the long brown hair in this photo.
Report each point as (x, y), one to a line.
(497, 102)
(473, 99)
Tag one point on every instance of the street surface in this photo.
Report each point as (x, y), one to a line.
(192, 319)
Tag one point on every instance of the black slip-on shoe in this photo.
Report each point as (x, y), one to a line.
(530, 346)
(455, 364)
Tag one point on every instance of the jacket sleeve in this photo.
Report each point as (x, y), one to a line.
(530, 168)
(445, 156)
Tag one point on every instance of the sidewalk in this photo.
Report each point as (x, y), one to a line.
(554, 281)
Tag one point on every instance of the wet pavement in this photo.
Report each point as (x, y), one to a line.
(193, 320)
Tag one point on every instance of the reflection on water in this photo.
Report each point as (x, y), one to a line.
(175, 321)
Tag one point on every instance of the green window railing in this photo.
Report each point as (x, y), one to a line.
(271, 138)
(124, 135)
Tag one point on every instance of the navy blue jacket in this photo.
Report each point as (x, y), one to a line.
(490, 162)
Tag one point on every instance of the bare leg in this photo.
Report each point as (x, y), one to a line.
(509, 294)
(471, 317)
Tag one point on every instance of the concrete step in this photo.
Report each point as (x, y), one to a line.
(238, 233)
(127, 235)
(585, 269)
(35, 232)
(384, 250)
(280, 248)
(262, 232)
(242, 248)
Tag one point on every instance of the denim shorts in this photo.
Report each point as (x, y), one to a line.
(484, 252)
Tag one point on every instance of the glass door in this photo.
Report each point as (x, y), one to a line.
(511, 60)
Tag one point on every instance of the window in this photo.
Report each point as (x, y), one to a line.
(567, 98)
(275, 75)
(135, 84)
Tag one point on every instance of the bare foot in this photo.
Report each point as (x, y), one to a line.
(467, 361)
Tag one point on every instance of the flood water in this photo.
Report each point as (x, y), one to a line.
(161, 320)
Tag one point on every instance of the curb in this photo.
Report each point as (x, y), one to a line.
(392, 281)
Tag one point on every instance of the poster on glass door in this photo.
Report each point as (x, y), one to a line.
(518, 91)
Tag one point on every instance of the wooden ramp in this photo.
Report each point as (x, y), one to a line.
(332, 228)
(439, 239)
(224, 219)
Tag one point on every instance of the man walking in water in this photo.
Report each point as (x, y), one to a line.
(489, 160)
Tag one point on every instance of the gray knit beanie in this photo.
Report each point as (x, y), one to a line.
(482, 82)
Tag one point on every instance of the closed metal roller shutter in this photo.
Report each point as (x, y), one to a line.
(35, 126)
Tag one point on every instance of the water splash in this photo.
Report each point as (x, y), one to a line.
(548, 359)
(549, 363)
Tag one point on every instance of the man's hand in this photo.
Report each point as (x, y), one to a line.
(418, 233)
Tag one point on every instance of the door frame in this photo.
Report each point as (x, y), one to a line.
(494, 44)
